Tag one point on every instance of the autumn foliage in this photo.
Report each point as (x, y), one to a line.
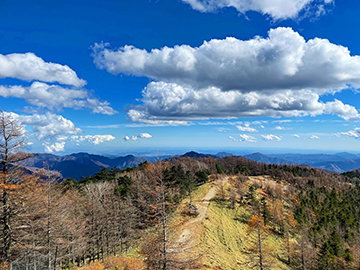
(116, 263)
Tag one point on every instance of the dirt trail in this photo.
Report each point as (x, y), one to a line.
(189, 233)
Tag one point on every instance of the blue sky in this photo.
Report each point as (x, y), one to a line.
(110, 76)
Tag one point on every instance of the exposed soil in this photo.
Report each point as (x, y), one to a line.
(190, 230)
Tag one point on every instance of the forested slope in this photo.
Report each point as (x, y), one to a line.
(264, 217)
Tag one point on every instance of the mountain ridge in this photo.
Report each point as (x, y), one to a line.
(83, 164)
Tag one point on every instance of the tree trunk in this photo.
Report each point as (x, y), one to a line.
(6, 226)
(260, 248)
(164, 225)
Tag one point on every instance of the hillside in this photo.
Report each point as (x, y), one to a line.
(190, 213)
(266, 159)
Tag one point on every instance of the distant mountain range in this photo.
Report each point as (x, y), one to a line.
(80, 164)
(84, 164)
(340, 162)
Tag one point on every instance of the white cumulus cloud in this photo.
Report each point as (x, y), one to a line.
(295, 135)
(314, 137)
(145, 135)
(56, 97)
(281, 75)
(284, 59)
(171, 103)
(49, 126)
(56, 147)
(29, 67)
(277, 9)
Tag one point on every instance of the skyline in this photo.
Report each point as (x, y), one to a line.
(107, 76)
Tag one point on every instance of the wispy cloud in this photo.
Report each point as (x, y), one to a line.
(243, 138)
(271, 137)
(352, 133)
(246, 128)
(222, 130)
(282, 121)
(104, 126)
(247, 138)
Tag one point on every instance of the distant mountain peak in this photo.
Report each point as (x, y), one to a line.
(194, 154)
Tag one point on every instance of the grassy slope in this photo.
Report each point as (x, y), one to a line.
(224, 240)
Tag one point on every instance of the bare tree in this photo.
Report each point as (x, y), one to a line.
(163, 249)
(12, 141)
(259, 251)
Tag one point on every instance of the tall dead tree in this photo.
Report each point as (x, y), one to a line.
(12, 141)
(163, 249)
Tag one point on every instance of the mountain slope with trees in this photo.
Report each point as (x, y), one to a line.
(267, 216)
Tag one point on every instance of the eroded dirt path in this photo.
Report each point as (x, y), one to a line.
(191, 228)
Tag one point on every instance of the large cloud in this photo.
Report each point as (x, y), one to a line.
(56, 97)
(29, 67)
(48, 126)
(284, 60)
(282, 75)
(277, 9)
(60, 145)
(164, 102)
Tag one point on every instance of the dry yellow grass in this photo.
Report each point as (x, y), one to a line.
(224, 241)
(222, 236)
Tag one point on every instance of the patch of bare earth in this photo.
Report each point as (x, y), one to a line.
(192, 228)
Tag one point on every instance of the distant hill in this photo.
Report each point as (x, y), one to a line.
(339, 167)
(309, 158)
(265, 159)
(347, 155)
(193, 154)
(80, 164)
